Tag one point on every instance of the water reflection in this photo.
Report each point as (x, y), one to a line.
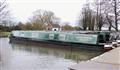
(28, 56)
(73, 54)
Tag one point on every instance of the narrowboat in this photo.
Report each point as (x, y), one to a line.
(86, 40)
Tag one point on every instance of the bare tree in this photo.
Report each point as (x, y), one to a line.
(98, 5)
(87, 19)
(3, 9)
(93, 17)
(83, 19)
(107, 8)
(116, 8)
(42, 16)
(112, 9)
(109, 21)
(103, 12)
(5, 19)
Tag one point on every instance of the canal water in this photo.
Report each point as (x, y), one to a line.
(39, 57)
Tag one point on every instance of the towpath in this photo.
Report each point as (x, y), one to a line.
(107, 61)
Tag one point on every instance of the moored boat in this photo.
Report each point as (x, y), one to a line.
(87, 40)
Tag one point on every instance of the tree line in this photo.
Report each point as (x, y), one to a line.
(100, 13)
(94, 16)
(41, 18)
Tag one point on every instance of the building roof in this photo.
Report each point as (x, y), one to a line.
(54, 25)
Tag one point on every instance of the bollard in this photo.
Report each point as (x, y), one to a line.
(108, 47)
(118, 42)
(115, 44)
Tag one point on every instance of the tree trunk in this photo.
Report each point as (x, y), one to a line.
(115, 12)
(110, 25)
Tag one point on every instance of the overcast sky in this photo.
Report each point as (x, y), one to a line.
(67, 10)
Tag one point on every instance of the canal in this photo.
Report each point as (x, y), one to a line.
(39, 57)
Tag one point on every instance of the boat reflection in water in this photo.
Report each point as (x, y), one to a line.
(42, 56)
(72, 54)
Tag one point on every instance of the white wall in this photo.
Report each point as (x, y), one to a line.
(56, 29)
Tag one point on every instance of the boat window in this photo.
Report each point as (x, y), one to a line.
(55, 29)
(101, 39)
(107, 36)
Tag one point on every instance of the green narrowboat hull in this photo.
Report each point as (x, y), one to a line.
(61, 44)
(58, 36)
(62, 38)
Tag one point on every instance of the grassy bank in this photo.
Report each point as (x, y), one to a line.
(4, 34)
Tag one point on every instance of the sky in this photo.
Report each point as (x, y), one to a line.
(66, 10)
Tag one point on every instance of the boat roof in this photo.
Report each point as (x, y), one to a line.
(92, 32)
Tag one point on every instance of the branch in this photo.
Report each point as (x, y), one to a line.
(2, 8)
(2, 3)
(109, 21)
(4, 14)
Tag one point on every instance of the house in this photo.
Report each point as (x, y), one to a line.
(53, 27)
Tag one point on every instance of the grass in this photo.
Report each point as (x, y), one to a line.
(4, 34)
